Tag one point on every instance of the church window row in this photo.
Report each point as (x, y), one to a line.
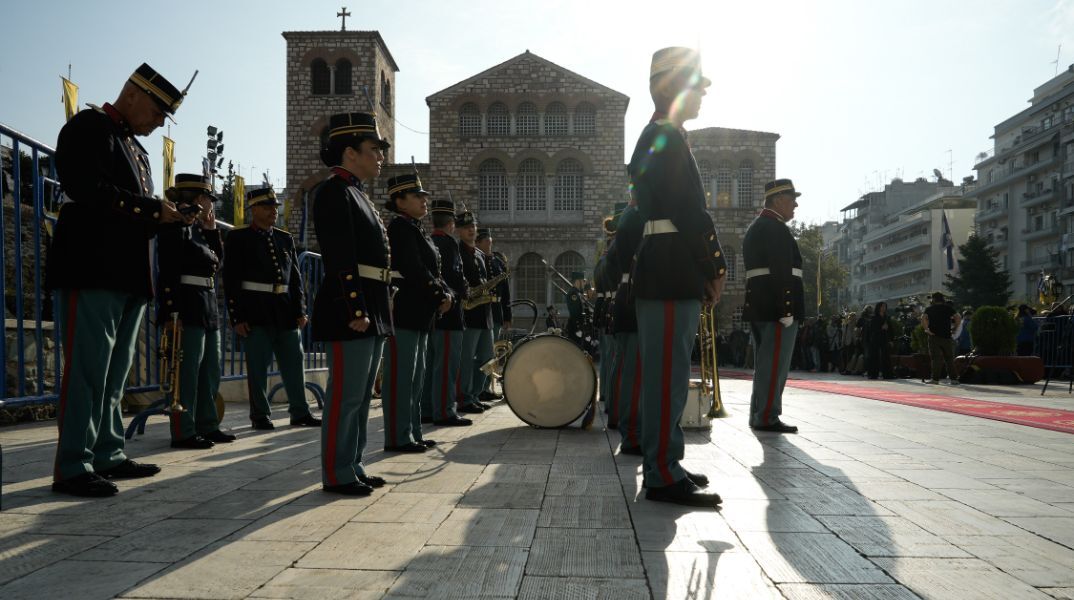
(498, 121)
(530, 188)
(728, 185)
(331, 79)
(533, 283)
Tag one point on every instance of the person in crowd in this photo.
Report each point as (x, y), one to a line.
(880, 337)
(1027, 330)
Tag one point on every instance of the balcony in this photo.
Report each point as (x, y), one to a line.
(1041, 262)
(996, 212)
(1068, 168)
(901, 223)
(1036, 198)
(890, 250)
(911, 266)
(1019, 172)
(1048, 230)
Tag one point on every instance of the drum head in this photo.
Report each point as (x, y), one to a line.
(548, 381)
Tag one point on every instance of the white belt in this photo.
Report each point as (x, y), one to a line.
(766, 271)
(377, 273)
(271, 288)
(659, 226)
(205, 282)
(625, 279)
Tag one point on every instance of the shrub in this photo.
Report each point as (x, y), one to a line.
(919, 340)
(994, 331)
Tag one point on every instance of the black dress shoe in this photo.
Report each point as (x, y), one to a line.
(470, 409)
(631, 450)
(484, 406)
(87, 485)
(488, 396)
(426, 420)
(262, 423)
(354, 488)
(306, 421)
(194, 442)
(453, 422)
(129, 469)
(219, 437)
(428, 443)
(778, 427)
(683, 492)
(613, 425)
(411, 447)
(699, 479)
(372, 480)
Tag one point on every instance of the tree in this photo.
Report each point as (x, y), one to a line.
(833, 275)
(980, 280)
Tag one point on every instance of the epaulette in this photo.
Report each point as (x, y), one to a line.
(281, 230)
(96, 108)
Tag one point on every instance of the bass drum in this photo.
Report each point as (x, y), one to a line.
(548, 381)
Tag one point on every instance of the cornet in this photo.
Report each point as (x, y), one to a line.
(171, 357)
(710, 371)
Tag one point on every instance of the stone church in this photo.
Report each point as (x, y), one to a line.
(534, 149)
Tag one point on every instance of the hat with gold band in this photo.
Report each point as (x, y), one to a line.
(166, 95)
(780, 186)
(675, 61)
(189, 185)
(484, 232)
(465, 219)
(442, 206)
(347, 130)
(408, 183)
(260, 196)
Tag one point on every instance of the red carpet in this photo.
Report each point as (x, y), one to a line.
(1042, 418)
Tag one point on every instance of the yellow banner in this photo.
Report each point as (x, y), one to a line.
(238, 196)
(169, 162)
(70, 98)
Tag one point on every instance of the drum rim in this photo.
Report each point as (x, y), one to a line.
(585, 408)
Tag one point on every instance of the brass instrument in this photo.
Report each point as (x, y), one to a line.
(710, 371)
(494, 367)
(482, 294)
(171, 357)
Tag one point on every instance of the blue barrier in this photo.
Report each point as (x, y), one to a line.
(1054, 344)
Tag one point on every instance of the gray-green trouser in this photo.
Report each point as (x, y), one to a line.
(352, 371)
(199, 380)
(286, 344)
(774, 345)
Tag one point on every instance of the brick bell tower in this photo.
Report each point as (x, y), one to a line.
(331, 72)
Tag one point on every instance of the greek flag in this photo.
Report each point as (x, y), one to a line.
(947, 244)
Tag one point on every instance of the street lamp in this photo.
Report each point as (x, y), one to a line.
(214, 153)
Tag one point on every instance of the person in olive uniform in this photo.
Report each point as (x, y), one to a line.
(477, 338)
(775, 302)
(421, 295)
(351, 313)
(605, 282)
(627, 374)
(267, 308)
(99, 265)
(679, 266)
(445, 344)
(501, 311)
(188, 257)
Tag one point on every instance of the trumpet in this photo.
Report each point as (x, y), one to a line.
(494, 367)
(710, 371)
(171, 357)
(482, 294)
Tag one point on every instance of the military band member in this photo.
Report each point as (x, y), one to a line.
(627, 390)
(421, 296)
(576, 309)
(679, 266)
(188, 257)
(267, 308)
(775, 302)
(605, 283)
(99, 266)
(501, 311)
(551, 317)
(477, 339)
(351, 313)
(445, 345)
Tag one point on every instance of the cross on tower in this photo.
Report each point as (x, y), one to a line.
(343, 14)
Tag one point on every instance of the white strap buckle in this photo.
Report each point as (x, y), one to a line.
(381, 274)
(205, 282)
(269, 288)
(659, 226)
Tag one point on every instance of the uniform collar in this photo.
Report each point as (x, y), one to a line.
(465, 247)
(347, 176)
(259, 230)
(117, 118)
(771, 214)
(440, 232)
(660, 115)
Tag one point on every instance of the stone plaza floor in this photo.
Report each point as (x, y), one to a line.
(872, 500)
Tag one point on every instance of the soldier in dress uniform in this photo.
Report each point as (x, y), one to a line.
(775, 302)
(351, 313)
(576, 310)
(422, 295)
(99, 266)
(445, 344)
(605, 283)
(188, 257)
(679, 266)
(267, 308)
(501, 311)
(627, 390)
(477, 339)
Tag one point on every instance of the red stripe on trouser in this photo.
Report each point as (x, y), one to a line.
(68, 343)
(393, 402)
(336, 404)
(773, 376)
(635, 394)
(665, 393)
(444, 377)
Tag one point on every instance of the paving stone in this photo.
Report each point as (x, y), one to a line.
(890, 536)
(894, 490)
(585, 553)
(598, 512)
(1040, 489)
(512, 473)
(461, 572)
(164, 541)
(833, 501)
(487, 527)
(578, 588)
(707, 575)
(192, 489)
(117, 519)
(441, 478)
(1034, 560)
(809, 591)
(1057, 529)
(96, 580)
(223, 570)
(947, 517)
(810, 558)
(1003, 503)
(240, 504)
(371, 546)
(1060, 593)
(303, 476)
(24, 553)
(764, 515)
(296, 523)
(327, 584)
(668, 528)
(584, 486)
(504, 495)
(403, 507)
(576, 468)
(942, 579)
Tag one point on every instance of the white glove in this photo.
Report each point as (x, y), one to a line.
(787, 321)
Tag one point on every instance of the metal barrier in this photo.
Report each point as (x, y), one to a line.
(1055, 346)
(33, 369)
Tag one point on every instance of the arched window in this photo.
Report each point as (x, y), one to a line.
(526, 121)
(469, 120)
(343, 76)
(531, 280)
(492, 185)
(704, 167)
(385, 93)
(730, 256)
(320, 77)
(499, 120)
(567, 263)
(723, 184)
(585, 119)
(555, 119)
(568, 188)
(530, 188)
(736, 319)
(745, 184)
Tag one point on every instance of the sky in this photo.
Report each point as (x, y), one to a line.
(860, 92)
